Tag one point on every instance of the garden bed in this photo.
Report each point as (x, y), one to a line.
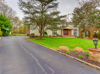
(85, 58)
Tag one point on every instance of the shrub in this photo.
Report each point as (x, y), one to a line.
(46, 36)
(87, 54)
(49, 35)
(28, 34)
(36, 35)
(78, 36)
(54, 36)
(32, 35)
(57, 34)
(0, 33)
(80, 56)
(77, 53)
(14, 34)
(67, 52)
(97, 35)
(45, 33)
(75, 35)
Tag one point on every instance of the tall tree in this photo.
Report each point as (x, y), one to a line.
(17, 23)
(42, 14)
(4, 24)
(87, 17)
(6, 10)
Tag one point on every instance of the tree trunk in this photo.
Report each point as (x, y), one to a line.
(80, 33)
(40, 35)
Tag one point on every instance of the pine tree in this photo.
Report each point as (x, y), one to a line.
(42, 14)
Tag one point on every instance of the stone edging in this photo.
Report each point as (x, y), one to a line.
(89, 64)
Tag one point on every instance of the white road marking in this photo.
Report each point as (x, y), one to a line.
(51, 69)
(34, 58)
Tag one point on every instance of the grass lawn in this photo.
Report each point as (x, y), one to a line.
(18, 35)
(55, 43)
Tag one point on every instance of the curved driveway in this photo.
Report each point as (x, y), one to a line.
(19, 56)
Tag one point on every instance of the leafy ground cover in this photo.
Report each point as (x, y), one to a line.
(82, 56)
(55, 43)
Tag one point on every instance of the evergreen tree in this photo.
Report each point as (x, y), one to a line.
(5, 23)
(42, 14)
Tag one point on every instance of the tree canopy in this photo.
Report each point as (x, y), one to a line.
(87, 17)
(5, 23)
(42, 14)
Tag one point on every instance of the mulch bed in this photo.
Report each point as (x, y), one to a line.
(85, 58)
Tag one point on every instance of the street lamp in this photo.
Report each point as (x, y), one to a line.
(7, 30)
(95, 41)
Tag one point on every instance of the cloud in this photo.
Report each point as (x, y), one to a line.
(65, 6)
(14, 5)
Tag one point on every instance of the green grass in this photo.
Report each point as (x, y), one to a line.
(55, 43)
(18, 35)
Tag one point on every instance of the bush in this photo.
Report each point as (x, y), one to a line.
(0, 33)
(45, 33)
(75, 35)
(28, 34)
(57, 34)
(36, 35)
(14, 34)
(54, 36)
(80, 56)
(77, 53)
(67, 52)
(49, 35)
(32, 35)
(97, 35)
(46, 36)
(78, 36)
(87, 54)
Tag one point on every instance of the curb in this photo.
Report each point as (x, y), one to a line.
(89, 64)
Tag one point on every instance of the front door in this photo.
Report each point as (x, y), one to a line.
(65, 31)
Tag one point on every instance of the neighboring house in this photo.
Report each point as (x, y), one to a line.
(27, 31)
(69, 30)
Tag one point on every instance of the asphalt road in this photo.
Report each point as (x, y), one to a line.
(19, 56)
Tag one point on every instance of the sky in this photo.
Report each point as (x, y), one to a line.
(65, 6)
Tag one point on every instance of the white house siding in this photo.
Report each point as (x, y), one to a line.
(59, 32)
(35, 31)
(49, 32)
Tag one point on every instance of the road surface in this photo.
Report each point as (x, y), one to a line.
(19, 56)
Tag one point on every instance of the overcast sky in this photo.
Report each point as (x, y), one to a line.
(65, 6)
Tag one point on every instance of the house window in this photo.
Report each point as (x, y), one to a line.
(75, 32)
(54, 32)
(66, 25)
(75, 25)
